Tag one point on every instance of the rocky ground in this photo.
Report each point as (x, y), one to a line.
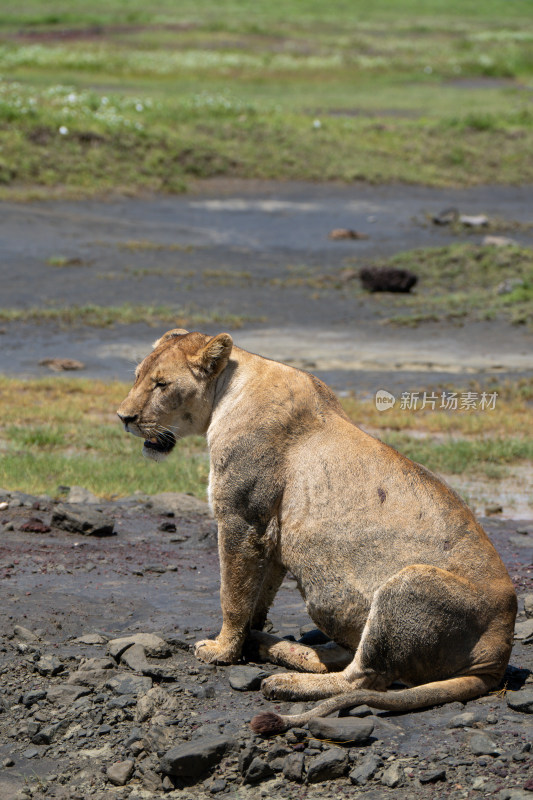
(102, 697)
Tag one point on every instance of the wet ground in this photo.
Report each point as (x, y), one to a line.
(62, 585)
(248, 250)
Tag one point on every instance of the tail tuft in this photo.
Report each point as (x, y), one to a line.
(268, 724)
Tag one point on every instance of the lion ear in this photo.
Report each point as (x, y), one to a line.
(169, 335)
(211, 359)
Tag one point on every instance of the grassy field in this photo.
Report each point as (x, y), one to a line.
(124, 96)
(63, 431)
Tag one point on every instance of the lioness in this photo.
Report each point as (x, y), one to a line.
(390, 561)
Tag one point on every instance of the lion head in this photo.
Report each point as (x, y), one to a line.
(173, 392)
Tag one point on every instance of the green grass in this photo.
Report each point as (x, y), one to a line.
(62, 430)
(127, 314)
(455, 282)
(159, 95)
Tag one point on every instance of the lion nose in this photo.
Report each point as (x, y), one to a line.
(127, 419)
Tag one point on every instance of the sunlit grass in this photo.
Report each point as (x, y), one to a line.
(64, 431)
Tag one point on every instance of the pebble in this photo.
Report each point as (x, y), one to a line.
(33, 696)
(366, 770)
(332, 763)
(65, 694)
(343, 729)
(154, 646)
(154, 703)
(129, 684)
(258, 771)
(433, 776)
(48, 665)
(293, 767)
(194, 759)
(86, 521)
(522, 700)
(219, 785)
(120, 772)
(90, 638)
(246, 679)
(481, 744)
(24, 634)
(465, 720)
(393, 776)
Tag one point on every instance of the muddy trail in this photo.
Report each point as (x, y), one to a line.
(253, 258)
(83, 716)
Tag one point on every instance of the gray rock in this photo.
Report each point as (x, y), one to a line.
(345, 730)
(194, 759)
(218, 786)
(120, 772)
(33, 696)
(24, 634)
(177, 503)
(293, 767)
(464, 720)
(129, 684)
(65, 694)
(31, 752)
(246, 679)
(258, 771)
(122, 701)
(246, 756)
(135, 658)
(90, 638)
(514, 794)
(359, 711)
(77, 494)
(48, 665)
(155, 703)
(522, 700)
(528, 605)
(524, 631)
(84, 521)
(432, 776)
(90, 677)
(154, 646)
(332, 763)
(366, 770)
(393, 776)
(47, 734)
(481, 744)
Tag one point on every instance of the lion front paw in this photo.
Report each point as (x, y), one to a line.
(211, 652)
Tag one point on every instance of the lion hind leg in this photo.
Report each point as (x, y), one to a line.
(321, 659)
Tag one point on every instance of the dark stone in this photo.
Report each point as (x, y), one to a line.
(387, 279)
(314, 637)
(246, 679)
(521, 700)
(218, 786)
(344, 730)
(330, 764)
(366, 770)
(293, 767)
(446, 217)
(246, 757)
(169, 527)
(358, 711)
(123, 701)
(33, 696)
(433, 776)
(258, 771)
(46, 734)
(85, 521)
(194, 759)
(129, 684)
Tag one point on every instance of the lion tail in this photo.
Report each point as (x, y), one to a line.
(429, 694)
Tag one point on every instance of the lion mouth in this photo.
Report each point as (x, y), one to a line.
(162, 443)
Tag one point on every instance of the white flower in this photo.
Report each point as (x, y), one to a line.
(104, 101)
(72, 97)
(63, 130)
(428, 70)
(317, 124)
(139, 107)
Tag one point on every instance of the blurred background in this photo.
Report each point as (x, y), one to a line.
(229, 165)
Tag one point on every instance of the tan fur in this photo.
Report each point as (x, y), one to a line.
(390, 561)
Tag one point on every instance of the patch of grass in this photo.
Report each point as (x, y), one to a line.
(147, 98)
(106, 316)
(140, 245)
(63, 261)
(62, 430)
(461, 281)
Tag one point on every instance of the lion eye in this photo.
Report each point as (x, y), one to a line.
(161, 384)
